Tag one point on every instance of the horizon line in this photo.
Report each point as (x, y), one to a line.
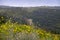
(31, 6)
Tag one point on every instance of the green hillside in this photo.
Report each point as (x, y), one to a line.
(15, 31)
(47, 18)
(29, 23)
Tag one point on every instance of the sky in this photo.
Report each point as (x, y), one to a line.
(28, 3)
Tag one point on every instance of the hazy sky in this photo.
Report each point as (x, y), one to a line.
(30, 2)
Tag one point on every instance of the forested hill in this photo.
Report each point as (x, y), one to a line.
(44, 17)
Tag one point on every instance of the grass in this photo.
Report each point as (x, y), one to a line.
(15, 31)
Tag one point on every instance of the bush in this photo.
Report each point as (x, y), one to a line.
(14, 31)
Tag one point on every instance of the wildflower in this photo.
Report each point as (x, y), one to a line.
(14, 30)
(2, 17)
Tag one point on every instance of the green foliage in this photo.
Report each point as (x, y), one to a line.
(2, 20)
(47, 17)
(15, 31)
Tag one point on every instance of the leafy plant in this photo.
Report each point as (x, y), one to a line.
(15, 31)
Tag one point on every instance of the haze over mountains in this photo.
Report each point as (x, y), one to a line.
(45, 17)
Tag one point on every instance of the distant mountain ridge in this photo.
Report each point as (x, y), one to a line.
(3, 6)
